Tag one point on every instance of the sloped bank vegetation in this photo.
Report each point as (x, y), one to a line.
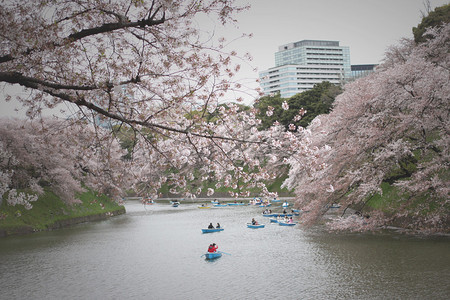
(50, 212)
(47, 182)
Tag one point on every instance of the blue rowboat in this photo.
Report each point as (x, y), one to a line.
(255, 226)
(276, 200)
(220, 205)
(235, 204)
(273, 221)
(175, 204)
(213, 255)
(282, 215)
(286, 224)
(268, 215)
(208, 230)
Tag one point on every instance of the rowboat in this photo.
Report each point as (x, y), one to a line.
(255, 202)
(335, 205)
(286, 224)
(175, 204)
(235, 204)
(220, 205)
(255, 226)
(273, 221)
(208, 230)
(213, 255)
(204, 206)
(268, 215)
(281, 215)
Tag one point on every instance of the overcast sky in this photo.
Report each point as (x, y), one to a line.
(368, 27)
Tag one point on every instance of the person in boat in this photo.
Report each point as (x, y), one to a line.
(210, 226)
(254, 222)
(291, 220)
(284, 211)
(218, 225)
(212, 248)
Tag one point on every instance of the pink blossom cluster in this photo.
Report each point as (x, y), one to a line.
(59, 154)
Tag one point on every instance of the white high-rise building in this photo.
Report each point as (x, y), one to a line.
(301, 65)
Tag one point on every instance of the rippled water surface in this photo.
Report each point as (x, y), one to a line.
(156, 253)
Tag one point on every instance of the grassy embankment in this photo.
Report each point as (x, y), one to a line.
(416, 207)
(50, 212)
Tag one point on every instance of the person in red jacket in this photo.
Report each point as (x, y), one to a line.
(212, 247)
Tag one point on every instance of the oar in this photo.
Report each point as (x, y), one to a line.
(224, 253)
(202, 255)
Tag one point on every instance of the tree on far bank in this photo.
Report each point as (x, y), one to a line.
(315, 102)
(34, 156)
(387, 135)
(438, 17)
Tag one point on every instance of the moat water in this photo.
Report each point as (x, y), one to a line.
(156, 252)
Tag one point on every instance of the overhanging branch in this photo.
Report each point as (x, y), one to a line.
(123, 23)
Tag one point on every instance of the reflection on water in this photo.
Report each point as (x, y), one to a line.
(386, 266)
(156, 253)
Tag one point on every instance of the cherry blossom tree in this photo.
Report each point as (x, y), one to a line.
(387, 129)
(136, 64)
(34, 156)
(146, 68)
(141, 63)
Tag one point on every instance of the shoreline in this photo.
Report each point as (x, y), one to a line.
(60, 224)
